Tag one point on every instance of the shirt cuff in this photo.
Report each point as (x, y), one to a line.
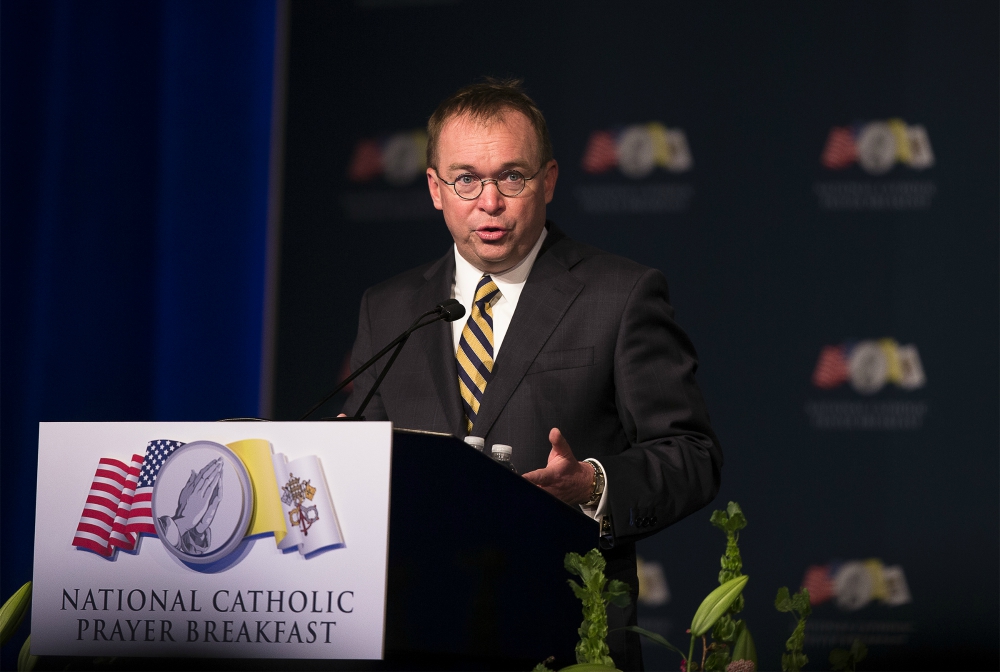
(600, 509)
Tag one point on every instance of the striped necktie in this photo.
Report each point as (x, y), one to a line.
(475, 350)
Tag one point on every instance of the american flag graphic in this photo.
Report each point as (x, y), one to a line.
(601, 154)
(119, 537)
(119, 505)
(366, 163)
(819, 583)
(840, 151)
(831, 368)
(98, 517)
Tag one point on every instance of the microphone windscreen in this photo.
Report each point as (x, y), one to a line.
(451, 310)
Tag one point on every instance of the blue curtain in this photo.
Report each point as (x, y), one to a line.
(134, 160)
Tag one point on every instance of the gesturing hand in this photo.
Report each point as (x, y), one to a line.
(564, 476)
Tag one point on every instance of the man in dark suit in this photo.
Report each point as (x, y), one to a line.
(564, 344)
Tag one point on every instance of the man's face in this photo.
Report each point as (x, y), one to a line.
(493, 232)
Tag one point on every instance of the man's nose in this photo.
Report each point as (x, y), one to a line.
(491, 200)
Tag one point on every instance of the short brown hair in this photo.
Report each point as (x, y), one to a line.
(486, 101)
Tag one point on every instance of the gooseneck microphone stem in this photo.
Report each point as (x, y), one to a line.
(378, 381)
(449, 311)
(388, 364)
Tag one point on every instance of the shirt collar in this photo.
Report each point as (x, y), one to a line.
(468, 276)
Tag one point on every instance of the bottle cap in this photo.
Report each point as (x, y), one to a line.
(501, 448)
(476, 442)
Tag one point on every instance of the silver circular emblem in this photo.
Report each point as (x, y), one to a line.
(403, 159)
(853, 586)
(869, 367)
(202, 502)
(876, 148)
(636, 152)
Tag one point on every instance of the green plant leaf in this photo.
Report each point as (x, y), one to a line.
(737, 521)
(653, 637)
(793, 662)
(716, 604)
(578, 590)
(25, 661)
(744, 648)
(573, 563)
(719, 519)
(716, 661)
(617, 593)
(800, 602)
(725, 629)
(783, 602)
(858, 650)
(12, 612)
(590, 667)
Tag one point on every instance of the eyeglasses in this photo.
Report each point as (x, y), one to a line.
(468, 187)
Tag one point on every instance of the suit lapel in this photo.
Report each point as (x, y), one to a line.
(547, 295)
(441, 362)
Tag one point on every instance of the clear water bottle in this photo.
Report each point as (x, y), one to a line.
(502, 453)
(477, 442)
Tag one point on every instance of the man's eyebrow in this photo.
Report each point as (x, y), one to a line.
(516, 163)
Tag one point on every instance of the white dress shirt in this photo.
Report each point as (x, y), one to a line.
(510, 283)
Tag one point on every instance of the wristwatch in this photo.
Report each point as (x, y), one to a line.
(597, 489)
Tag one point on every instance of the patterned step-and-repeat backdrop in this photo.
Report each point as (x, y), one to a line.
(818, 182)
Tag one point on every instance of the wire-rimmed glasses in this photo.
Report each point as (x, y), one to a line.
(468, 187)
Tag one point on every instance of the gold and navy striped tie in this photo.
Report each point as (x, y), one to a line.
(475, 350)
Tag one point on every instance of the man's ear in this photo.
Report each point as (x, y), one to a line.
(435, 188)
(551, 175)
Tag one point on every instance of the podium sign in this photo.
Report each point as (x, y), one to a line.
(234, 539)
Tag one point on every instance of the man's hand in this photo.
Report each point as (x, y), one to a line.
(564, 476)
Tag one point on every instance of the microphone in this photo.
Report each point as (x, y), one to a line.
(451, 310)
(447, 311)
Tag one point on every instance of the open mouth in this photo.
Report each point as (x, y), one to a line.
(491, 233)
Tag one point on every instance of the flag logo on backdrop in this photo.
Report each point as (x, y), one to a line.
(869, 366)
(637, 150)
(202, 499)
(877, 146)
(400, 158)
(855, 584)
(852, 586)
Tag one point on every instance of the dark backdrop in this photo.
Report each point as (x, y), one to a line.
(772, 254)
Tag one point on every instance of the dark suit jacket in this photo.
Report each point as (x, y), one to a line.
(592, 349)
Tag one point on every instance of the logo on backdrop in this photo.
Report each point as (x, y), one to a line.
(868, 367)
(852, 586)
(653, 588)
(386, 174)
(879, 148)
(202, 499)
(639, 151)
